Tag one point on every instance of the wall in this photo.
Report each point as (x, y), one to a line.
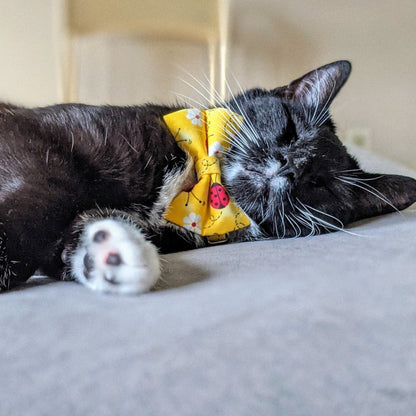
(280, 40)
(28, 68)
(272, 42)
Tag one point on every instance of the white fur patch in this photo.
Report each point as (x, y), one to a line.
(230, 172)
(172, 186)
(279, 184)
(272, 168)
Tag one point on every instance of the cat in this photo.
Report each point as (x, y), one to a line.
(83, 189)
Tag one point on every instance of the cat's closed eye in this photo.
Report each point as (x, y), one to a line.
(254, 170)
(318, 182)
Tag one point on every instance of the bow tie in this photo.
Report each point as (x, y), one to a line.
(206, 208)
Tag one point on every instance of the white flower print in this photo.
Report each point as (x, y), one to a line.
(195, 116)
(216, 149)
(193, 222)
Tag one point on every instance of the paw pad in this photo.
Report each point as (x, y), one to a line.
(113, 259)
(100, 236)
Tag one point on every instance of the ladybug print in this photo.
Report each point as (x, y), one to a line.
(218, 196)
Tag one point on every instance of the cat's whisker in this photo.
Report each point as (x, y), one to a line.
(216, 94)
(311, 218)
(282, 216)
(250, 133)
(207, 99)
(236, 130)
(312, 227)
(298, 221)
(242, 128)
(275, 227)
(318, 221)
(235, 136)
(263, 210)
(332, 226)
(305, 111)
(293, 224)
(364, 186)
(243, 93)
(247, 126)
(349, 170)
(249, 129)
(236, 140)
(272, 217)
(212, 99)
(355, 178)
(308, 208)
(290, 201)
(193, 100)
(308, 223)
(320, 122)
(305, 220)
(297, 225)
(220, 100)
(243, 113)
(249, 207)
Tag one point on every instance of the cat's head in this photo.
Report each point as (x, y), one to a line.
(288, 170)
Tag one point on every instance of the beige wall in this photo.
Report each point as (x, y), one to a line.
(272, 41)
(28, 71)
(378, 36)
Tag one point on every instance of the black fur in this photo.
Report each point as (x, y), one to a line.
(59, 162)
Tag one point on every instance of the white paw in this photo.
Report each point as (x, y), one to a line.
(113, 256)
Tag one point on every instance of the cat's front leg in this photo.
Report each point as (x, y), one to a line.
(107, 252)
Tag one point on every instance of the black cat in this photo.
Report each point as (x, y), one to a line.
(80, 186)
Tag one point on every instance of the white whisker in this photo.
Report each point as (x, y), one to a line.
(364, 186)
(332, 226)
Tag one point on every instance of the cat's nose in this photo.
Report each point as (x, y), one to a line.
(288, 170)
(292, 168)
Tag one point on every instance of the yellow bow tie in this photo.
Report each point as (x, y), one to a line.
(206, 208)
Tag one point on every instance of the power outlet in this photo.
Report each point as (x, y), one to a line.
(359, 136)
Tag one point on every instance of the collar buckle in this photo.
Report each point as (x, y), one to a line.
(217, 239)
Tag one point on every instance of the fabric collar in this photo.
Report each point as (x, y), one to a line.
(206, 208)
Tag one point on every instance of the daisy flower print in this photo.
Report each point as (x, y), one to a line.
(195, 116)
(193, 222)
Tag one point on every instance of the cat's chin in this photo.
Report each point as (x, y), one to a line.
(280, 185)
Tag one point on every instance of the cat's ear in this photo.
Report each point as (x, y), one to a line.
(379, 194)
(317, 88)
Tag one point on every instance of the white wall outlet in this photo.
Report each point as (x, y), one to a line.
(359, 136)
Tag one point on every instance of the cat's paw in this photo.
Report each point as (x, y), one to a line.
(113, 256)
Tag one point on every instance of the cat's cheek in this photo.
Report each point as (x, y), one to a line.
(232, 172)
(114, 257)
